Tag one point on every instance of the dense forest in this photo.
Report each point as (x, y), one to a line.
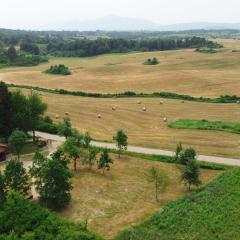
(28, 48)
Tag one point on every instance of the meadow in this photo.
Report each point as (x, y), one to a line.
(209, 213)
(113, 201)
(147, 128)
(181, 71)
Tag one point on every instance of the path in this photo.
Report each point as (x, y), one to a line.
(213, 159)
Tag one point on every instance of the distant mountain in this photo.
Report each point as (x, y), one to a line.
(116, 23)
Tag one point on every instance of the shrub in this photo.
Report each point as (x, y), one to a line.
(59, 70)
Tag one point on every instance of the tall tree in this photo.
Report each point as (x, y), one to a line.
(191, 174)
(17, 141)
(160, 181)
(16, 177)
(186, 155)
(90, 157)
(72, 149)
(36, 109)
(104, 161)
(55, 186)
(65, 129)
(178, 151)
(87, 140)
(6, 125)
(121, 141)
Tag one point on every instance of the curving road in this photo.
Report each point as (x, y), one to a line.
(213, 159)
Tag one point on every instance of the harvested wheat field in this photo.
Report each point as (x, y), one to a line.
(148, 127)
(113, 201)
(181, 71)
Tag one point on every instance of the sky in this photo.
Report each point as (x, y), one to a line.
(26, 14)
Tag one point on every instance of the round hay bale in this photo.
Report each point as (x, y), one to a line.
(99, 116)
(238, 102)
(57, 116)
(114, 108)
(144, 109)
(165, 119)
(183, 101)
(67, 113)
(161, 103)
(139, 102)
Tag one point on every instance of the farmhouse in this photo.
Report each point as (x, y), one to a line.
(3, 152)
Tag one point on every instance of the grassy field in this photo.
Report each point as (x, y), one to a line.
(211, 213)
(123, 196)
(148, 128)
(181, 71)
(206, 125)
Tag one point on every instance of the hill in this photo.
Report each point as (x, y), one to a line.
(201, 215)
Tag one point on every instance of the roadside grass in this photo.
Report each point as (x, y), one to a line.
(211, 212)
(123, 196)
(232, 127)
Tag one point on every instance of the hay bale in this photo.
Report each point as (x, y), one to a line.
(114, 108)
(238, 102)
(161, 103)
(139, 102)
(67, 113)
(165, 119)
(57, 116)
(183, 101)
(144, 109)
(99, 116)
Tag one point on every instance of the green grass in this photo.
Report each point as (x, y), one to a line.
(209, 213)
(232, 127)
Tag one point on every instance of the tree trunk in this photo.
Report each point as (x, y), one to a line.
(34, 136)
(189, 187)
(75, 165)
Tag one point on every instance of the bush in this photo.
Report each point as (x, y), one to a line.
(59, 70)
(150, 61)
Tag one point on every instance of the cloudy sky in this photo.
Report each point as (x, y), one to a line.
(25, 14)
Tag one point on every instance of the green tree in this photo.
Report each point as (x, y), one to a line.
(12, 53)
(121, 141)
(178, 150)
(190, 173)
(36, 109)
(65, 128)
(91, 157)
(36, 170)
(104, 161)
(72, 149)
(186, 155)
(160, 181)
(6, 126)
(2, 190)
(56, 185)
(20, 112)
(17, 141)
(16, 177)
(87, 140)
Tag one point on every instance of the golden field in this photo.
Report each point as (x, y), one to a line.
(148, 128)
(123, 196)
(181, 71)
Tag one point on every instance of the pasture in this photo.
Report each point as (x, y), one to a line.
(123, 196)
(147, 128)
(182, 71)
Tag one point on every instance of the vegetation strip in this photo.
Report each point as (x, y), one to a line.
(191, 216)
(167, 95)
(232, 127)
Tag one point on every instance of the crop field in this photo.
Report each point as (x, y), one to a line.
(123, 196)
(147, 128)
(181, 71)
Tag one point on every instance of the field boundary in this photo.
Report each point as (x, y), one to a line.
(130, 94)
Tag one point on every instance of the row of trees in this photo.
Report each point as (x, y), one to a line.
(86, 47)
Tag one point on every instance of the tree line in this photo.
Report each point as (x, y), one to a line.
(87, 47)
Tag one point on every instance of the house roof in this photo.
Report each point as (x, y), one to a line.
(3, 148)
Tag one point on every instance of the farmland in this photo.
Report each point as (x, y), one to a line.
(181, 71)
(117, 199)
